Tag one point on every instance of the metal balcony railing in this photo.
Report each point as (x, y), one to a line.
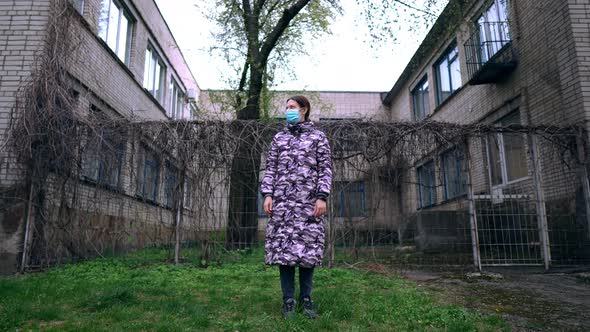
(488, 53)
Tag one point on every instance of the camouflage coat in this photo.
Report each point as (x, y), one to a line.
(298, 171)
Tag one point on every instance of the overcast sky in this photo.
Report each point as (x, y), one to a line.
(339, 62)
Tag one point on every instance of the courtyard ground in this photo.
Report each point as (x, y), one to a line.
(142, 292)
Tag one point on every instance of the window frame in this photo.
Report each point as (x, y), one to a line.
(437, 70)
(502, 157)
(104, 35)
(193, 112)
(175, 95)
(153, 56)
(458, 155)
(340, 191)
(171, 179)
(101, 173)
(432, 187)
(187, 197)
(425, 94)
(155, 164)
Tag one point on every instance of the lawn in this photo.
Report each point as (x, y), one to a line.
(141, 292)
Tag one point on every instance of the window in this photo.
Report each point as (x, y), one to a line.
(426, 185)
(188, 194)
(147, 174)
(102, 158)
(114, 27)
(153, 77)
(448, 74)
(176, 107)
(349, 199)
(171, 184)
(79, 5)
(193, 110)
(494, 31)
(454, 173)
(507, 154)
(420, 100)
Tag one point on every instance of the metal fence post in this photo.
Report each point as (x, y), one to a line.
(540, 200)
(472, 210)
(28, 229)
(584, 178)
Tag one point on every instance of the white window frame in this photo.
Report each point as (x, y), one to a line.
(176, 95)
(122, 54)
(503, 162)
(193, 110)
(153, 58)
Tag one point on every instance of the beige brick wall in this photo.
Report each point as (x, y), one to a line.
(22, 34)
(121, 85)
(103, 80)
(551, 40)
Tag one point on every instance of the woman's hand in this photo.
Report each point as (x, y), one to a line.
(320, 208)
(268, 205)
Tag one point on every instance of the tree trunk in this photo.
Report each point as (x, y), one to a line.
(242, 227)
(243, 212)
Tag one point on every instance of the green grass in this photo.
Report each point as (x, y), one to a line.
(140, 292)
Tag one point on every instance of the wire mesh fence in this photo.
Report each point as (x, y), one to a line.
(407, 194)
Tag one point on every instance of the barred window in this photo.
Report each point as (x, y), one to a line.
(102, 157)
(454, 173)
(147, 174)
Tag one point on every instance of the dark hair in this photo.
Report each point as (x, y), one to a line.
(303, 103)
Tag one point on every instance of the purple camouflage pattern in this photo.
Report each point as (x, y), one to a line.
(298, 168)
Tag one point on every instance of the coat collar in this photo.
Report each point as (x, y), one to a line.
(300, 127)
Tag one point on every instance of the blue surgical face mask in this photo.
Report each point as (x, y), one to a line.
(293, 116)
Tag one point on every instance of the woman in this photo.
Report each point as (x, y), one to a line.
(296, 186)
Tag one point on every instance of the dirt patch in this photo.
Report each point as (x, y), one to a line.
(529, 301)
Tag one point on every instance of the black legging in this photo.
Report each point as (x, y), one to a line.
(288, 281)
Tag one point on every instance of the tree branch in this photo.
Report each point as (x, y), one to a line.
(242, 83)
(280, 27)
(415, 8)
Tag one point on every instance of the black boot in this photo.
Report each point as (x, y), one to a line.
(288, 308)
(307, 306)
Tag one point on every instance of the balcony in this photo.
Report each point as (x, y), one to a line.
(489, 54)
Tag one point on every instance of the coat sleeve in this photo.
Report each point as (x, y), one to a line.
(324, 157)
(268, 182)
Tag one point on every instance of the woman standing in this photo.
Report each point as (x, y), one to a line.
(296, 185)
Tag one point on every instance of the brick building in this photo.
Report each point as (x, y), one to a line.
(126, 64)
(502, 62)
